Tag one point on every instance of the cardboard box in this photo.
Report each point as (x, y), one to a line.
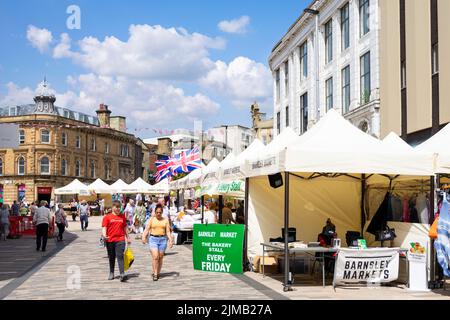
(270, 264)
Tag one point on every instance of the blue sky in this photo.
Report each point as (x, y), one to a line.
(167, 87)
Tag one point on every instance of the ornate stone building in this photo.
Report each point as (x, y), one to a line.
(57, 145)
(262, 128)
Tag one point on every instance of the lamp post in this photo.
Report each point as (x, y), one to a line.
(316, 58)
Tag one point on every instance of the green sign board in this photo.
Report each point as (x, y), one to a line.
(218, 247)
(235, 186)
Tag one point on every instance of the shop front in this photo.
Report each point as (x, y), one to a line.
(21, 188)
(44, 193)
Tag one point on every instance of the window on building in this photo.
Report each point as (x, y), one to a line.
(278, 123)
(329, 41)
(21, 166)
(45, 165)
(92, 169)
(304, 60)
(304, 112)
(287, 116)
(107, 172)
(329, 93)
(435, 58)
(63, 167)
(106, 147)
(45, 136)
(64, 139)
(78, 168)
(124, 151)
(1, 166)
(286, 78)
(93, 146)
(277, 84)
(345, 27)
(346, 89)
(403, 74)
(363, 17)
(78, 142)
(365, 78)
(21, 136)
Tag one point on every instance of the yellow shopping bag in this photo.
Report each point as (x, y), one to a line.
(128, 258)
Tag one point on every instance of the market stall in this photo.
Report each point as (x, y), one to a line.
(324, 175)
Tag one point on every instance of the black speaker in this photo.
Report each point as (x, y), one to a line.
(276, 180)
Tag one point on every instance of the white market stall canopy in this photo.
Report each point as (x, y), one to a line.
(118, 186)
(437, 144)
(99, 186)
(236, 169)
(190, 181)
(161, 187)
(138, 186)
(392, 140)
(75, 187)
(210, 174)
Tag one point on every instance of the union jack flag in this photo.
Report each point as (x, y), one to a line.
(186, 161)
(163, 167)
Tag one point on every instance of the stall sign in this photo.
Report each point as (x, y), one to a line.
(234, 186)
(44, 190)
(218, 248)
(370, 265)
(417, 253)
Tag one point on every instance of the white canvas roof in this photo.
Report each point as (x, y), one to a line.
(437, 144)
(138, 186)
(117, 186)
(161, 187)
(99, 186)
(392, 140)
(211, 172)
(339, 147)
(75, 187)
(190, 181)
(237, 168)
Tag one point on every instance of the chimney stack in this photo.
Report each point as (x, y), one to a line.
(103, 115)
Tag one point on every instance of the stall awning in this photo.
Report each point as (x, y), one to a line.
(75, 187)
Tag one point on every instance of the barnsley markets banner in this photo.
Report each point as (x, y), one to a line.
(367, 265)
(218, 247)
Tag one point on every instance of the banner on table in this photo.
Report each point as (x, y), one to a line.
(370, 265)
(218, 248)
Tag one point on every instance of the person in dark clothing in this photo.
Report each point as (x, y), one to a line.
(240, 219)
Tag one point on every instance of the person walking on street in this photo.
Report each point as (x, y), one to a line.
(74, 209)
(61, 221)
(15, 209)
(160, 235)
(114, 232)
(4, 221)
(139, 219)
(129, 214)
(83, 212)
(42, 219)
(33, 208)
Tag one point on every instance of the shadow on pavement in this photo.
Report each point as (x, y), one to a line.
(169, 274)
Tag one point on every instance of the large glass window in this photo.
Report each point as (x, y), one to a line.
(63, 167)
(277, 84)
(329, 93)
(304, 112)
(364, 17)
(45, 136)
(21, 136)
(45, 165)
(286, 78)
(21, 166)
(329, 41)
(278, 123)
(345, 27)
(365, 78)
(346, 89)
(304, 60)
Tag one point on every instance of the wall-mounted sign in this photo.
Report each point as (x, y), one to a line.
(44, 190)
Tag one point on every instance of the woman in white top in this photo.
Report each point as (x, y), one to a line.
(210, 215)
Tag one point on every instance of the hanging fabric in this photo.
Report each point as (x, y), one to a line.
(422, 208)
(442, 244)
(379, 220)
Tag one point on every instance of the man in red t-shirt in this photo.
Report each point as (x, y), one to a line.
(114, 232)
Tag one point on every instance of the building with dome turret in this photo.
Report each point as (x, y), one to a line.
(57, 145)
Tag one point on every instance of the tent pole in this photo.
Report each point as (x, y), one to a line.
(363, 198)
(247, 183)
(178, 199)
(434, 186)
(220, 208)
(203, 207)
(287, 284)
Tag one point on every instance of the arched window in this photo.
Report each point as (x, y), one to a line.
(78, 168)
(45, 136)
(63, 167)
(21, 136)
(21, 166)
(64, 139)
(1, 166)
(45, 165)
(92, 169)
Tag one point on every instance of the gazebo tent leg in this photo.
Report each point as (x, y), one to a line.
(245, 255)
(287, 283)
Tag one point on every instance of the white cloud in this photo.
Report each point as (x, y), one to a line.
(16, 95)
(150, 52)
(235, 26)
(242, 80)
(39, 38)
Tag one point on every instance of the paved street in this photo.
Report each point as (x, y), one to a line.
(27, 274)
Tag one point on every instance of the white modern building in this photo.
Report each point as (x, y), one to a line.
(235, 137)
(329, 58)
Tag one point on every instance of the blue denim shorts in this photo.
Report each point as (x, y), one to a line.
(159, 243)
